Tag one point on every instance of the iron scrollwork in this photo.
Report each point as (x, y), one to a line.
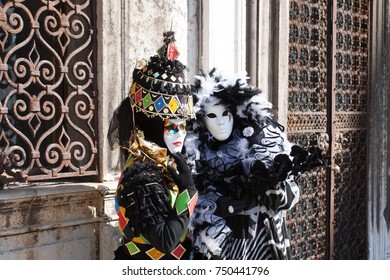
(47, 90)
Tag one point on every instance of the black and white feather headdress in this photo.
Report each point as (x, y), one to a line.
(233, 91)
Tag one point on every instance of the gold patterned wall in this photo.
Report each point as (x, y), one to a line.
(349, 128)
(327, 96)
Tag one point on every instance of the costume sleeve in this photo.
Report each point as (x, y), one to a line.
(147, 202)
(275, 193)
(281, 197)
(265, 145)
(165, 236)
(209, 231)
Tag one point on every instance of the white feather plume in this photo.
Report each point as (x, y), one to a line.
(230, 79)
(256, 107)
(207, 87)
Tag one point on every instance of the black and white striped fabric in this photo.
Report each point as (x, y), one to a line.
(260, 232)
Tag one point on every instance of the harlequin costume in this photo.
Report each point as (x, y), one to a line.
(154, 202)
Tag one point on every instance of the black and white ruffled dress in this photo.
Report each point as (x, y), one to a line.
(229, 222)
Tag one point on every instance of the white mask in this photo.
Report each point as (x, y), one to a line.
(218, 119)
(174, 134)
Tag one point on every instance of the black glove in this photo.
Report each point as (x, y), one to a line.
(259, 172)
(299, 155)
(281, 167)
(182, 176)
(306, 160)
(276, 173)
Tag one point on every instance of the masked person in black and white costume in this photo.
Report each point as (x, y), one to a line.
(246, 171)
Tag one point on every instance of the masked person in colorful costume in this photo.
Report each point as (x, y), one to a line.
(156, 194)
(246, 172)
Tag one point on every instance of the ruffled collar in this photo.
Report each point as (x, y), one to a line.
(145, 150)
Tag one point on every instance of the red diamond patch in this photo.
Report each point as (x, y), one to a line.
(172, 52)
(178, 252)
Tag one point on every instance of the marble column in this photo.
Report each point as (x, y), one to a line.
(378, 133)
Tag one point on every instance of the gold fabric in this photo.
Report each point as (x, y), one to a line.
(144, 150)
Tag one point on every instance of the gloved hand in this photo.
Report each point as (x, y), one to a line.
(182, 176)
(281, 167)
(276, 173)
(299, 155)
(259, 172)
(306, 160)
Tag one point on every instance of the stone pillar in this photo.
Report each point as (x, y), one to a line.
(378, 133)
(271, 56)
(193, 41)
(110, 77)
(222, 35)
(127, 31)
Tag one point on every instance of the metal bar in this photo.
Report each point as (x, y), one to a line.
(330, 129)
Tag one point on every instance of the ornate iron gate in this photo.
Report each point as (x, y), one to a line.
(47, 90)
(327, 104)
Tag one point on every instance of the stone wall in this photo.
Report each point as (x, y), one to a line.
(127, 31)
(55, 222)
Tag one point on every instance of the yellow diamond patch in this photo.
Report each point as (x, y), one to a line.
(174, 104)
(154, 254)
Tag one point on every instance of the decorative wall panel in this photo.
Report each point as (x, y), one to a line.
(47, 90)
(307, 122)
(327, 96)
(349, 95)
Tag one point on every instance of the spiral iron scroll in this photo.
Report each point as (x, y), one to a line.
(47, 90)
